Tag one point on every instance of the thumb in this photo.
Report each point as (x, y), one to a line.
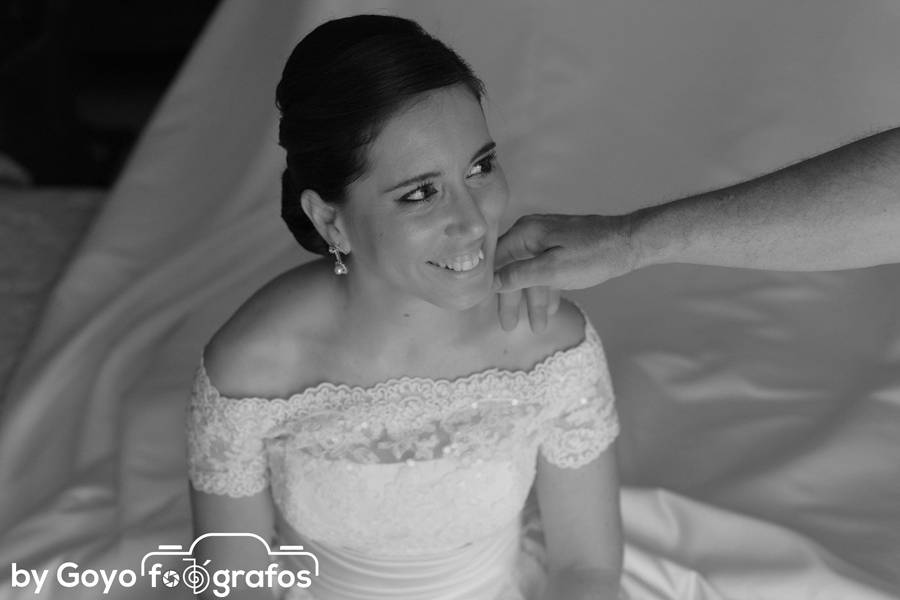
(525, 274)
(523, 240)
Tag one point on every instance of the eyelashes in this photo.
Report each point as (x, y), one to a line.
(483, 167)
(486, 165)
(421, 193)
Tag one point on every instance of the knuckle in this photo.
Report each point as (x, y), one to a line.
(532, 222)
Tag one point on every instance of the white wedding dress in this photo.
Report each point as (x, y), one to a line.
(413, 488)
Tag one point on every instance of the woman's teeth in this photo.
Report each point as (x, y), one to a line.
(462, 263)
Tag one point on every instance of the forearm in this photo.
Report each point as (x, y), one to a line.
(838, 210)
(582, 584)
(241, 592)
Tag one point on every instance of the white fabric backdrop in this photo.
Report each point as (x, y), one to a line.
(761, 410)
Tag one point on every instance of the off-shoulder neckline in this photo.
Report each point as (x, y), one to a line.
(589, 339)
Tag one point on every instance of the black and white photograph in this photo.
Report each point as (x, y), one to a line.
(450, 300)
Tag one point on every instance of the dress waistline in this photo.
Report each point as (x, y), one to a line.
(478, 571)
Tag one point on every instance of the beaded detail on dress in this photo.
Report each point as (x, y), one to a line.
(411, 465)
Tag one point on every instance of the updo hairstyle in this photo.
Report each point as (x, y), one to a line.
(340, 85)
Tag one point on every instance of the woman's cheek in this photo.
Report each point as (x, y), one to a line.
(497, 200)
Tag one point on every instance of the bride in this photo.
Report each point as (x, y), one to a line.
(368, 405)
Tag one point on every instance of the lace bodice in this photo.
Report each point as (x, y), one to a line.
(409, 466)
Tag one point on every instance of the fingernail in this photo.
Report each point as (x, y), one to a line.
(497, 283)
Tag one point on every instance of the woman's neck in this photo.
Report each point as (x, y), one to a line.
(399, 325)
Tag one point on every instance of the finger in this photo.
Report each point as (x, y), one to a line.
(509, 309)
(532, 272)
(524, 239)
(538, 299)
(553, 304)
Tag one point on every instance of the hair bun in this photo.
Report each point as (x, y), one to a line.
(341, 83)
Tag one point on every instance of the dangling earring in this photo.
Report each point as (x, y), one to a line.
(339, 267)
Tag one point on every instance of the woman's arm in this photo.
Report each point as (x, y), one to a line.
(215, 513)
(582, 527)
(228, 489)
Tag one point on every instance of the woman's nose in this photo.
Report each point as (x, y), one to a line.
(466, 218)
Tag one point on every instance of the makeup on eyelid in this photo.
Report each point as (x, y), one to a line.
(488, 164)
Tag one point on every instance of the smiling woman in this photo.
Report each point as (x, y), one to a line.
(426, 236)
(340, 85)
(375, 412)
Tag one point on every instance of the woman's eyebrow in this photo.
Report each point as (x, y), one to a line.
(484, 150)
(432, 174)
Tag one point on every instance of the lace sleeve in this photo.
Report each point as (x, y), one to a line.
(226, 451)
(584, 420)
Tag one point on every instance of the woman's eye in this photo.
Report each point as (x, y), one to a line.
(484, 166)
(423, 192)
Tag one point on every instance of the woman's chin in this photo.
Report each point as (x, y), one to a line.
(462, 302)
(458, 290)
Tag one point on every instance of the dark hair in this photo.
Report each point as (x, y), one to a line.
(341, 83)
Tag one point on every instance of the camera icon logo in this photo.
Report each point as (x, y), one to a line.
(197, 577)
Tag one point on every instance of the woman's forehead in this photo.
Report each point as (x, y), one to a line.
(442, 128)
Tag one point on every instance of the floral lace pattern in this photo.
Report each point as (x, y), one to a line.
(409, 465)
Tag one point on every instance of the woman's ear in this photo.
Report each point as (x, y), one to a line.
(324, 217)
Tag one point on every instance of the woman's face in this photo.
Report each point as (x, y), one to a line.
(424, 219)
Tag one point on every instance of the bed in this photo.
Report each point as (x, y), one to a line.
(760, 451)
(40, 229)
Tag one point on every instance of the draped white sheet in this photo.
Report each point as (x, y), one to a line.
(760, 450)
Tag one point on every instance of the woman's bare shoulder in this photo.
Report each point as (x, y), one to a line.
(565, 330)
(268, 344)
